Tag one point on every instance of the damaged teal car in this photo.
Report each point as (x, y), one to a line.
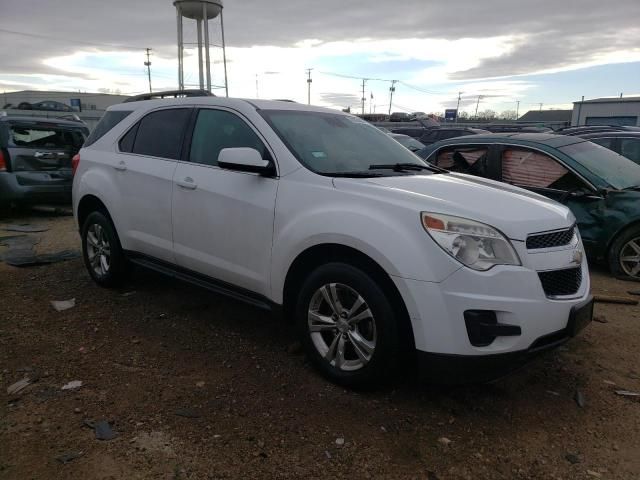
(601, 188)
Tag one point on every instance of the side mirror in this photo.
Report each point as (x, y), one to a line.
(245, 159)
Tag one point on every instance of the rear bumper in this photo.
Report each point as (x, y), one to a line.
(456, 369)
(43, 190)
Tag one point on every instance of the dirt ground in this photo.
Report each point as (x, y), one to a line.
(198, 386)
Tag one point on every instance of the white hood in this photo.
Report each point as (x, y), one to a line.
(512, 210)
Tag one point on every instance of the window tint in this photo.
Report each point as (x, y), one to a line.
(463, 159)
(218, 129)
(630, 148)
(528, 168)
(106, 123)
(126, 142)
(160, 133)
(605, 142)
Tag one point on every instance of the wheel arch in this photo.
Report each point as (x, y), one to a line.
(321, 254)
(88, 204)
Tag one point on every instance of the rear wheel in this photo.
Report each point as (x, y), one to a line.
(101, 250)
(347, 325)
(624, 255)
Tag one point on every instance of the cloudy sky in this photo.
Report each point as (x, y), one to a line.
(541, 51)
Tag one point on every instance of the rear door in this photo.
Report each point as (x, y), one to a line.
(41, 152)
(142, 173)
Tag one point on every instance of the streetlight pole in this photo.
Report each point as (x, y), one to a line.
(364, 82)
(517, 109)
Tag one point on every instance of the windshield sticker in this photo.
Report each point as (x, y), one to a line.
(319, 154)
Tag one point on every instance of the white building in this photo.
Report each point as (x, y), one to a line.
(88, 106)
(607, 111)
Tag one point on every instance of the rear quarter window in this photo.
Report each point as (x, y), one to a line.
(106, 123)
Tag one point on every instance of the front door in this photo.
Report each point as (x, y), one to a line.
(543, 174)
(223, 219)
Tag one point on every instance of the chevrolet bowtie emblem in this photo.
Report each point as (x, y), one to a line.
(577, 257)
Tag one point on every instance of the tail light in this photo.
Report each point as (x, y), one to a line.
(75, 161)
(3, 162)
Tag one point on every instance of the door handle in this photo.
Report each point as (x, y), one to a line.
(120, 166)
(187, 183)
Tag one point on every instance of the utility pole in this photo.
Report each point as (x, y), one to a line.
(257, 86)
(458, 105)
(364, 82)
(540, 106)
(309, 85)
(148, 65)
(392, 89)
(517, 109)
(477, 105)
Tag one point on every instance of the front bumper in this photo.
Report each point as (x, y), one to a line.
(39, 188)
(455, 369)
(515, 297)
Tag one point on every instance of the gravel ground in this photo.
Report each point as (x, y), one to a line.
(199, 386)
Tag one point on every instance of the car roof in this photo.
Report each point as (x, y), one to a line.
(611, 133)
(221, 101)
(549, 139)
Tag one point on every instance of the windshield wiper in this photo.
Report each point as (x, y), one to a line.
(403, 167)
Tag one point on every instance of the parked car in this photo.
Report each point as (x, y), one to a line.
(372, 252)
(407, 141)
(35, 159)
(625, 143)
(416, 115)
(46, 105)
(514, 127)
(436, 134)
(415, 132)
(399, 117)
(584, 129)
(601, 187)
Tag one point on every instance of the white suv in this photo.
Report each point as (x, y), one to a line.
(374, 254)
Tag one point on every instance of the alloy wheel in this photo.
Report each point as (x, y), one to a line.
(98, 250)
(630, 257)
(341, 326)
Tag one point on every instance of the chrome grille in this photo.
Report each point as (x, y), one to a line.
(558, 283)
(551, 239)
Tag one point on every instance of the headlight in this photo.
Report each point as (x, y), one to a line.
(473, 244)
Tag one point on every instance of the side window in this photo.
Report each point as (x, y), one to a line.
(630, 148)
(528, 168)
(604, 142)
(126, 142)
(463, 159)
(160, 133)
(218, 129)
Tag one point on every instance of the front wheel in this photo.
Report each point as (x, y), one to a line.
(101, 250)
(347, 325)
(624, 255)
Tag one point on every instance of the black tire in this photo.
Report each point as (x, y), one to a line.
(385, 358)
(618, 249)
(118, 267)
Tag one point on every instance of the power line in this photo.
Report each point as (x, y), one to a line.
(61, 39)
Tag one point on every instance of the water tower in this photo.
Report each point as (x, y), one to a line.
(201, 11)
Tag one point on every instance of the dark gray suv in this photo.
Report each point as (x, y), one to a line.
(35, 159)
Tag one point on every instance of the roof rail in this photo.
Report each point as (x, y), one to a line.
(170, 93)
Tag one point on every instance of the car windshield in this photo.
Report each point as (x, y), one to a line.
(616, 170)
(410, 143)
(335, 144)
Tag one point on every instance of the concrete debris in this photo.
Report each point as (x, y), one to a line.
(62, 305)
(72, 385)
